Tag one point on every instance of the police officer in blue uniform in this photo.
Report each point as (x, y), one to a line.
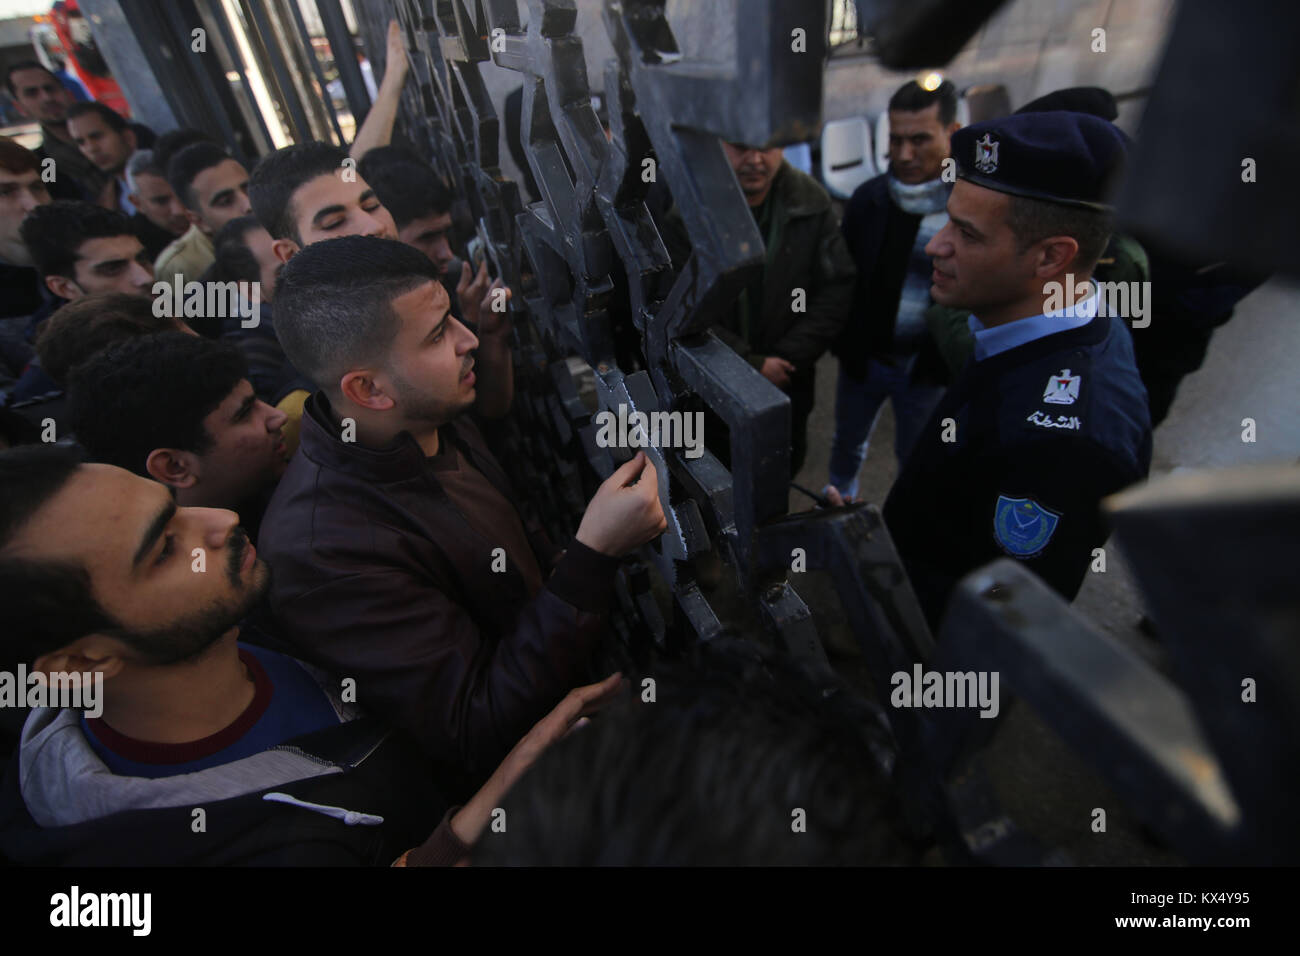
(1050, 415)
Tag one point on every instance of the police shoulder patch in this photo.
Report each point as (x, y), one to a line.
(1022, 526)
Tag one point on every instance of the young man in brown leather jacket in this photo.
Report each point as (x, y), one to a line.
(398, 558)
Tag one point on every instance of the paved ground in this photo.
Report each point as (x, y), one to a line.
(1250, 372)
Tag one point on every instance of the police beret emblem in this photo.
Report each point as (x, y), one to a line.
(986, 154)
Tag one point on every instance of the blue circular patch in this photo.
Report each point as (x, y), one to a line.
(1022, 526)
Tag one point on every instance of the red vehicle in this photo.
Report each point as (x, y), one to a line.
(64, 34)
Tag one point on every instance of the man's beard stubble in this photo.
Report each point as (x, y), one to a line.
(189, 637)
(418, 406)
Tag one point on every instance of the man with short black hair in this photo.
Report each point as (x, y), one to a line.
(83, 249)
(885, 351)
(80, 249)
(393, 513)
(180, 409)
(105, 138)
(161, 218)
(312, 191)
(420, 204)
(213, 187)
(308, 192)
(1051, 415)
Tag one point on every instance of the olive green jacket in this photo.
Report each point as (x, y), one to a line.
(812, 256)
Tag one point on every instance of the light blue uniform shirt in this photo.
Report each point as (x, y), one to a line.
(1000, 338)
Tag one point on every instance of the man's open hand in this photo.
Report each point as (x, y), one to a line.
(477, 295)
(470, 821)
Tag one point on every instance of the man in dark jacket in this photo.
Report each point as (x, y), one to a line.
(1050, 416)
(192, 746)
(40, 96)
(399, 558)
(796, 305)
(887, 225)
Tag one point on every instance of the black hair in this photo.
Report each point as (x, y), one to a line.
(742, 759)
(80, 329)
(150, 392)
(333, 302)
(279, 175)
(912, 97)
(47, 604)
(408, 188)
(24, 65)
(53, 233)
(28, 478)
(111, 117)
(234, 261)
(167, 145)
(1033, 220)
(185, 166)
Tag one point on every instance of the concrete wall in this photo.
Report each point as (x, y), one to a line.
(1033, 47)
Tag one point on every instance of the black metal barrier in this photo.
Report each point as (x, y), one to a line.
(589, 273)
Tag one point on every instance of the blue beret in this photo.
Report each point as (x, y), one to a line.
(1060, 157)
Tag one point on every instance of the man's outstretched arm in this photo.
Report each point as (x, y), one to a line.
(377, 130)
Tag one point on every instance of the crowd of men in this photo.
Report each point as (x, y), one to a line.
(284, 542)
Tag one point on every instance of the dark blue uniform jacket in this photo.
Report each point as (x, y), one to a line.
(1040, 434)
